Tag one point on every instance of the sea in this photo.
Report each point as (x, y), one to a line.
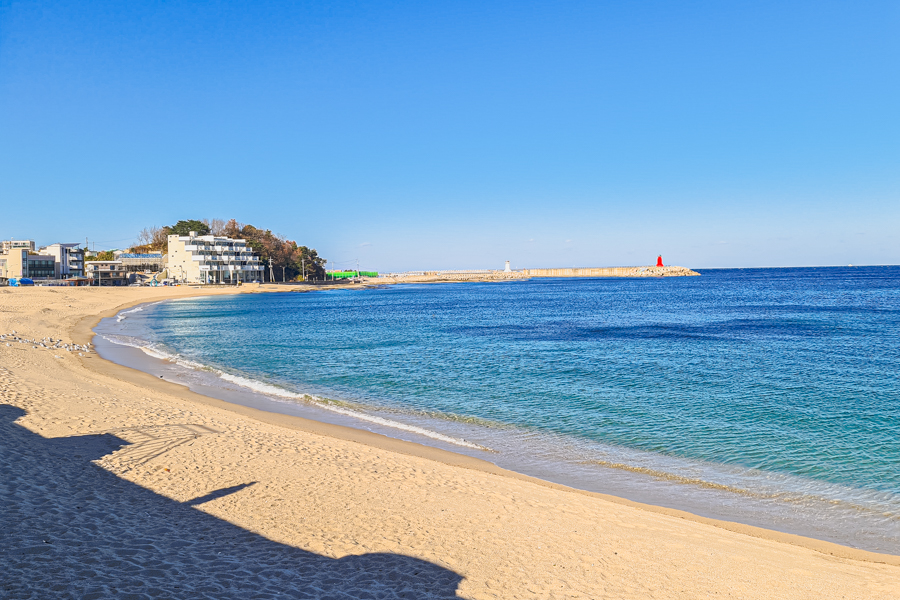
(769, 397)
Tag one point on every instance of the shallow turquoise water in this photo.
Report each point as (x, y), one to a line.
(749, 373)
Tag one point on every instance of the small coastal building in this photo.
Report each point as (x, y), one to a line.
(211, 259)
(105, 272)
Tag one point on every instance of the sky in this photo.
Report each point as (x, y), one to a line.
(457, 135)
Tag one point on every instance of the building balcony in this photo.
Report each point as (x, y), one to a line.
(228, 256)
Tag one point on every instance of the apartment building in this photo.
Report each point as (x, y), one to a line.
(211, 259)
(69, 259)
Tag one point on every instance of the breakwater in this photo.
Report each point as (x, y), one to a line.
(500, 275)
(612, 272)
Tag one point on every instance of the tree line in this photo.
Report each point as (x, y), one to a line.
(287, 259)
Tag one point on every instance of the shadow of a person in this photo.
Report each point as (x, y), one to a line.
(69, 529)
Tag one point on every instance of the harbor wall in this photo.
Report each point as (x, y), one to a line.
(611, 272)
(487, 275)
(580, 272)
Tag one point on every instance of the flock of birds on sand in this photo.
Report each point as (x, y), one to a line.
(47, 343)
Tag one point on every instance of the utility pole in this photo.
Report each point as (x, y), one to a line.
(303, 262)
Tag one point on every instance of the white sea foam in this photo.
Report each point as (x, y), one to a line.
(262, 388)
(156, 353)
(121, 316)
(126, 340)
(411, 428)
(271, 390)
(274, 391)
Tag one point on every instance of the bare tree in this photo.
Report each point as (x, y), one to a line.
(151, 238)
(145, 236)
(216, 226)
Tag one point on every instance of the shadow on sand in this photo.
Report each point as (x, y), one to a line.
(69, 529)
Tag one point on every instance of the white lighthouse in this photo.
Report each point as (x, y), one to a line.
(507, 269)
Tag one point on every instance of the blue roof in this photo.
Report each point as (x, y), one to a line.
(140, 256)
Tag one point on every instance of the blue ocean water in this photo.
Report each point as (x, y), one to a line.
(769, 396)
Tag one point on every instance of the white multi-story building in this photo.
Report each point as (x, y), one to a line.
(211, 259)
(69, 259)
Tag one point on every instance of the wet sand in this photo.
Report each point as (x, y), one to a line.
(119, 483)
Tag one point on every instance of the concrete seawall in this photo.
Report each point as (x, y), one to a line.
(483, 275)
(612, 272)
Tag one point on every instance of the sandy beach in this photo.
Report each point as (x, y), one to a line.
(117, 484)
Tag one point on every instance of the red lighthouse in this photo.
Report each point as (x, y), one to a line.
(659, 261)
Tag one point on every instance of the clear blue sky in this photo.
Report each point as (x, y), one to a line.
(461, 134)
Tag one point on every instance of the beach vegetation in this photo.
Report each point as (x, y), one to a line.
(104, 255)
(186, 227)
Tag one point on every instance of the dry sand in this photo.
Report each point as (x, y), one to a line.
(117, 484)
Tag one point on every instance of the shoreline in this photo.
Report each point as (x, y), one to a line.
(85, 333)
